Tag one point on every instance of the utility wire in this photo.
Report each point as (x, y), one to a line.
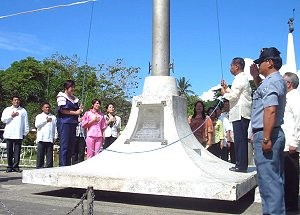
(46, 8)
(89, 33)
(219, 35)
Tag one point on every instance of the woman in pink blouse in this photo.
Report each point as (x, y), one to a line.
(95, 123)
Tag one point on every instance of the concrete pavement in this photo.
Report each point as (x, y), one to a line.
(32, 199)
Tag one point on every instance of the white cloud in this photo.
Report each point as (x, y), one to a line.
(209, 95)
(248, 63)
(22, 42)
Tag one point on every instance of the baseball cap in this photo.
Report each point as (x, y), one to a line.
(267, 53)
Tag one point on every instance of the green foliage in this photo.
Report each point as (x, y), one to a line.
(36, 81)
(209, 104)
(15, 81)
(252, 85)
(191, 100)
(29, 140)
(117, 84)
(184, 86)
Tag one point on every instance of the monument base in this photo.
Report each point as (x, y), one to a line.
(157, 157)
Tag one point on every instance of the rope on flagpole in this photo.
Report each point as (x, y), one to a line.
(87, 54)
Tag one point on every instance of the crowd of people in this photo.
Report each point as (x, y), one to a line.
(79, 133)
(273, 110)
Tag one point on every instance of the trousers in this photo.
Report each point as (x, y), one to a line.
(13, 147)
(67, 136)
(270, 172)
(78, 150)
(291, 180)
(240, 130)
(44, 149)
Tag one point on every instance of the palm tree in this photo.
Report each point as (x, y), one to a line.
(183, 86)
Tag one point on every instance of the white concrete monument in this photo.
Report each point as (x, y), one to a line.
(157, 153)
(290, 65)
(290, 55)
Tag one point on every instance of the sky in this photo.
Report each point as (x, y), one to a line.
(123, 29)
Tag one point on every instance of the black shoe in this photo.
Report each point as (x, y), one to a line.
(9, 170)
(17, 170)
(235, 169)
(232, 169)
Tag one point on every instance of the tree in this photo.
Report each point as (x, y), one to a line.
(37, 81)
(60, 68)
(25, 78)
(191, 100)
(118, 84)
(183, 86)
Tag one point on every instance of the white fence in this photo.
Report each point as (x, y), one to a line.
(28, 155)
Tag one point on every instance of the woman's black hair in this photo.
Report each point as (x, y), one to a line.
(210, 108)
(68, 84)
(203, 111)
(111, 103)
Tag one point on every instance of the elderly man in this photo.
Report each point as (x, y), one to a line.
(239, 96)
(268, 138)
(291, 128)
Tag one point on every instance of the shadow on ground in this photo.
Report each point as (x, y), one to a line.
(9, 179)
(9, 176)
(218, 206)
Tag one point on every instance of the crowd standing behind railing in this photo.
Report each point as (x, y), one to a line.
(70, 126)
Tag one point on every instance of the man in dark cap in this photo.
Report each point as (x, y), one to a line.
(268, 138)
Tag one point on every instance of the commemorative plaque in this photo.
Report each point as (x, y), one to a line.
(150, 123)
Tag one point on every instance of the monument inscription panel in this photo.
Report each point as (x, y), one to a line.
(150, 123)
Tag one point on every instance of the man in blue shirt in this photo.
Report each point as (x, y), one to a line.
(268, 138)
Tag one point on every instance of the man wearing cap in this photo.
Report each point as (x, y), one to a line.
(291, 128)
(268, 138)
(239, 97)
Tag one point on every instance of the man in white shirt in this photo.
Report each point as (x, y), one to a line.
(46, 134)
(240, 100)
(228, 133)
(229, 136)
(78, 147)
(291, 128)
(16, 119)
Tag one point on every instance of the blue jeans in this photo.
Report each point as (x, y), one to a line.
(270, 172)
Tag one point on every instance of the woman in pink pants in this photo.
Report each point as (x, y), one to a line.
(95, 123)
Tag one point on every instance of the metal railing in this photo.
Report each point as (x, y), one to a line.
(28, 155)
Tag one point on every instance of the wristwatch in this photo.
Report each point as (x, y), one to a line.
(266, 140)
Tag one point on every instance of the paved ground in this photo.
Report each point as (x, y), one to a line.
(29, 199)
